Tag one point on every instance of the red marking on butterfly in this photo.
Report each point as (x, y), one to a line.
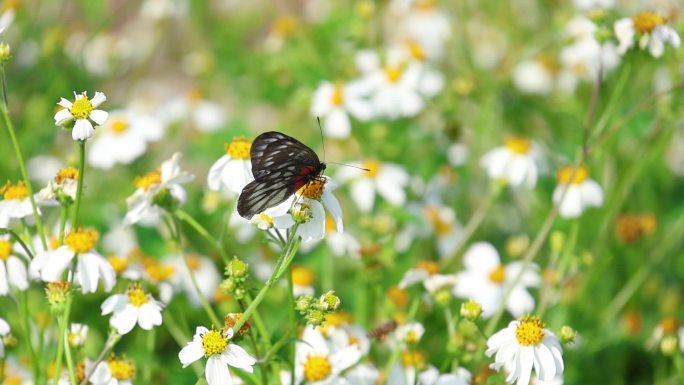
(281, 165)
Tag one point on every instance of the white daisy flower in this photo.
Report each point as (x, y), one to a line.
(441, 221)
(583, 60)
(404, 373)
(515, 162)
(649, 29)
(302, 281)
(535, 76)
(348, 335)
(385, 179)
(134, 307)
(123, 138)
(13, 272)
(485, 280)
(168, 178)
(206, 275)
(61, 189)
(581, 193)
(429, 27)
(4, 331)
(15, 203)
(43, 168)
(589, 5)
(334, 102)
(220, 353)
(114, 371)
(90, 268)
(81, 115)
(422, 271)
(315, 361)
(524, 345)
(409, 333)
(6, 19)
(78, 333)
(232, 171)
(202, 114)
(362, 374)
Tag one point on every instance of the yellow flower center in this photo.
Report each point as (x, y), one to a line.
(398, 296)
(353, 340)
(313, 189)
(157, 271)
(669, 325)
(393, 74)
(430, 267)
(372, 165)
(317, 368)
(266, 219)
(214, 342)
(82, 240)
(119, 126)
(413, 359)
(136, 295)
(284, 25)
(12, 379)
(337, 97)
(530, 331)
(570, 175)
(5, 249)
(121, 369)
(550, 63)
(646, 21)
(239, 148)
(81, 108)
(149, 180)
(518, 145)
(193, 262)
(425, 5)
(498, 275)
(54, 243)
(416, 50)
(194, 95)
(338, 319)
(119, 264)
(440, 226)
(412, 337)
(66, 173)
(14, 191)
(302, 276)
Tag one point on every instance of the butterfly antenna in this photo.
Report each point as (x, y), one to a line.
(349, 165)
(320, 129)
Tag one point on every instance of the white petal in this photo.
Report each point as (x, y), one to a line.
(98, 99)
(334, 208)
(216, 372)
(191, 352)
(337, 124)
(214, 177)
(63, 117)
(4, 284)
(99, 116)
(149, 317)
(363, 193)
(56, 263)
(481, 256)
(82, 130)
(592, 194)
(17, 273)
(238, 357)
(115, 302)
(125, 319)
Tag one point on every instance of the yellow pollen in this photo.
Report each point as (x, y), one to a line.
(119, 125)
(302, 276)
(430, 267)
(14, 191)
(159, 272)
(413, 359)
(5, 249)
(550, 63)
(645, 22)
(440, 226)
(317, 368)
(81, 240)
(264, 217)
(498, 275)
(338, 319)
(121, 369)
(669, 325)
(353, 340)
(194, 95)
(149, 180)
(11, 379)
(119, 264)
(284, 25)
(398, 296)
(530, 331)
(373, 165)
(66, 173)
(412, 337)
(313, 189)
(193, 262)
(565, 175)
(329, 224)
(54, 243)
(214, 342)
(393, 74)
(425, 5)
(337, 97)
(136, 295)
(648, 223)
(416, 50)
(81, 108)
(239, 148)
(518, 145)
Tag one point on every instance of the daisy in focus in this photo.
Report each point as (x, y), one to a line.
(576, 192)
(134, 307)
(113, 371)
(159, 186)
(81, 115)
(220, 353)
(649, 29)
(13, 272)
(316, 363)
(335, 102)
(91, 267)
(233, 171)
(485, 280)
(385, 179)
(15, 203)
(525, 345)
(515, 162)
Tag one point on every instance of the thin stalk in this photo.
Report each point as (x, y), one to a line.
(112, 340)
(17, 238)
(63, 214)
(149, 347)
(24, 314)
(259, 323)
(293, 320)
(79, 189)
(187, 218)
(180, 338)
(22, 166)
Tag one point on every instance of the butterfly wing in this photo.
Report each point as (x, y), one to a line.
(272, 151)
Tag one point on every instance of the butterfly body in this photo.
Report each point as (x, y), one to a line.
(281, 165)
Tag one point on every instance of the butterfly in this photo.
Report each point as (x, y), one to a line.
(281, 165)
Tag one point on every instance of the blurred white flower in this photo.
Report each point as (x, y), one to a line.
(524, 345)
(649, 29)
(90, 267)
(409, 333)
(428, 376)
(515, 162)
(316, 361)
(485, 280)
(113, 372)
(81, 115)
(362, 374)
(167, 179)
(535, 76)
(123, 138)
(134, 307)
(61, 189)
(4, 331)
(220, 353)
(78, 333)
(13, 272)
(232, 171)
(385, 179)
(43, 168)
(333, 103)
(302, 281)
(580, 192)
(202, 114)
(427, 26)
(206, 275)
(6, 19)
(15, 203)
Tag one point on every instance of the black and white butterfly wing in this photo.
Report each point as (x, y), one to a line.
(281, 165)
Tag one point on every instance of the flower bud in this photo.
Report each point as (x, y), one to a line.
(237, 268)
(557, 241)
(567, 335)
(57, 294)
(471, 310)
(329, 301)
(301, 213)
(443, 296)
(315, 318)
(303, 304)
(5, 52)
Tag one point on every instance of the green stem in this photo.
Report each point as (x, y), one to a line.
(187, 218)
(79, 190)
(180, 338)
(22, 166)
(149, 347)
(259, 323)
(63, 214)
(293, 320)
(24, 314)
(67, 348)
(17, 238)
